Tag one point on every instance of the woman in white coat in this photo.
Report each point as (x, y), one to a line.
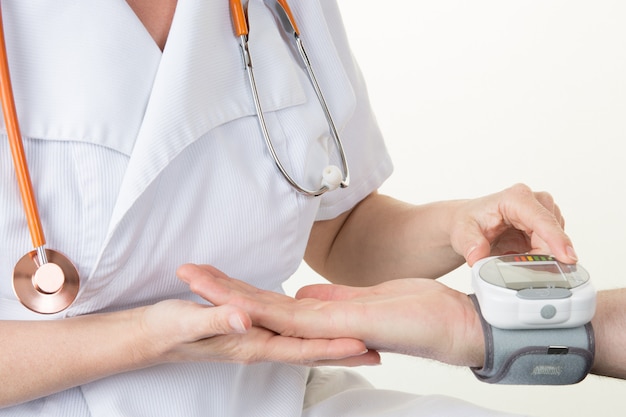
(146, 154)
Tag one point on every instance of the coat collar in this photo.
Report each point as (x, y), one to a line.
(200, 84)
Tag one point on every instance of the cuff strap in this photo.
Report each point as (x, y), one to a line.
(536, 356)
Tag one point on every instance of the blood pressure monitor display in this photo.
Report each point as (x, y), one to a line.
(539, 273)
(517, 272)
(532, 291)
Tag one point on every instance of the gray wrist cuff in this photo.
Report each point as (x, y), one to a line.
(537, 356)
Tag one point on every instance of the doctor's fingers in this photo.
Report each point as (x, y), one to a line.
(277, 312)
(371, 357)
(177, 330)
(546, 200)
(262, 345)
(305, 318)
(482, 221)
(541, 219)
(218, 288)
(166, 324)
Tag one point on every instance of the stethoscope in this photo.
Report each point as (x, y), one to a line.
(332, 176)
(44, 280)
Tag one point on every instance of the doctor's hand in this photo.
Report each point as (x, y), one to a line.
(419, 317)
(383, 238)
(184, 331)
(516, 220)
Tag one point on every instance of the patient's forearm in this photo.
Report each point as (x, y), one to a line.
(609, 326)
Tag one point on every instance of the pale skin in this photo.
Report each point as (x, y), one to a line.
(413, 316)
(156, 16)
(91, 347)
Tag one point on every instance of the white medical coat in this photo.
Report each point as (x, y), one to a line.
(143, 161)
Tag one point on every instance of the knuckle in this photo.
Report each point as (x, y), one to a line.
(520, 189)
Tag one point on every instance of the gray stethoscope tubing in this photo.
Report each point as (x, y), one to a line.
(332, 177)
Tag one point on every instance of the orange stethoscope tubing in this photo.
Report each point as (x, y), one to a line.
(240, 22)
(17, 147)
(44, 280)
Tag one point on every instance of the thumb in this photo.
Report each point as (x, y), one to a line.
(211, 321)
(471, 244)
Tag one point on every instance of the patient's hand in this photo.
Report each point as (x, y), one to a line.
(418, 317)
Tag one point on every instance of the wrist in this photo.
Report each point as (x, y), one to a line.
(130, 346)
(146, 348)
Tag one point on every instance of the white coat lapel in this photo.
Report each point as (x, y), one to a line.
(186, 77)
(201, 84)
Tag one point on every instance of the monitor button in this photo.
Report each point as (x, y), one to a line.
(548, 311)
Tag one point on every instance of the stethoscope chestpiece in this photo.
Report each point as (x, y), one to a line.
(48, 288)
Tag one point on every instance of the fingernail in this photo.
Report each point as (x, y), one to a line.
(236, 324)
(469, 252)
(571, 253)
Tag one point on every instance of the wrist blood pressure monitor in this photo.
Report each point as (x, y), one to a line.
(536, 314)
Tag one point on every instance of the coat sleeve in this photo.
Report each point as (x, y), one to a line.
(368, 159)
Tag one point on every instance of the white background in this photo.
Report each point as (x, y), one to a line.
(474, 96)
